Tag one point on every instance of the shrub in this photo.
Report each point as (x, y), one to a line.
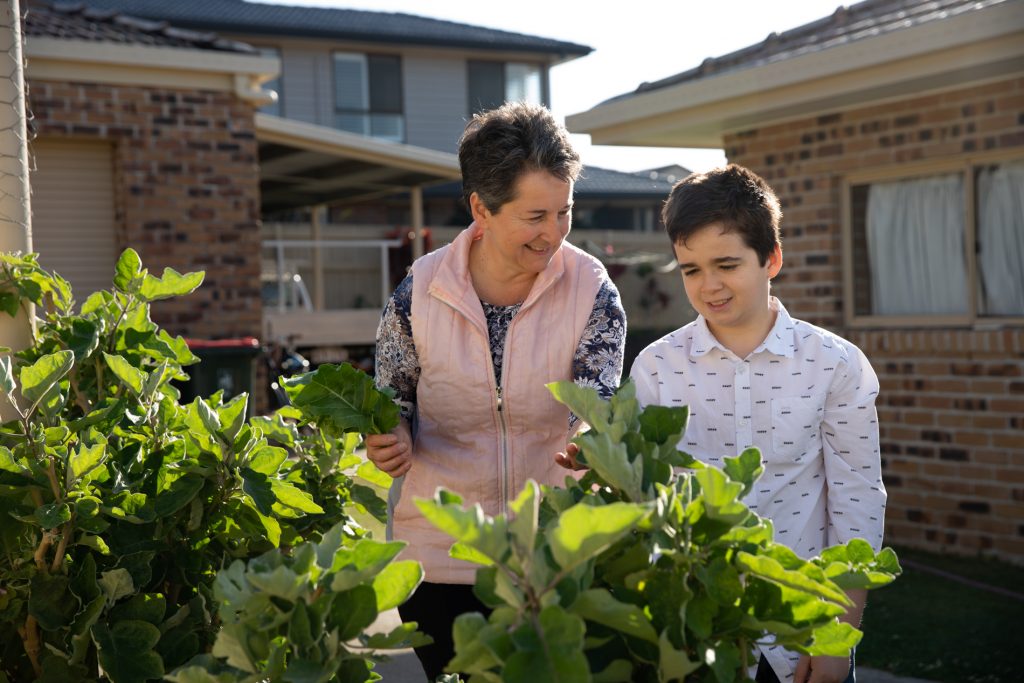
(120, 505)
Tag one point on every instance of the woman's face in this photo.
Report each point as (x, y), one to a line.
(524, 234)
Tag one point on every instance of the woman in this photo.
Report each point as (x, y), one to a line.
(469, 339)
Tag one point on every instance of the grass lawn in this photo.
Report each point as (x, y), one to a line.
(938, 629)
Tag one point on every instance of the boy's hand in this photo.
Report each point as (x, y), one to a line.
(821, 669)
(391, 452)
(568, 458)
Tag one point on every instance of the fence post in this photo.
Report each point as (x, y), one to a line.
(15, 213)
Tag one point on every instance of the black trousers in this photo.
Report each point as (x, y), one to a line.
(434, 607)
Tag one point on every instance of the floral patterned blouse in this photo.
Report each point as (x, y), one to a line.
(597, 362)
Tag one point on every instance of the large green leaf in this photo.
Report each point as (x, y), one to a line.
(267, 459)
(598, 605)
(128, 271)
(52, 515)
(664, 424)
(84, 460)
(610, 460)
(554, 654)
(396, 582)
(402, 636)
(130, 376)
(82, 338)
(361, 562)
(180, 493)
(126, 651)
(770, 569)
(721, 496)
(834, 639)
(40, 377)
(584, 402)
(583, 531)
(673, 664)
(6, 376)
(9, 303)
(172, 284)
(352, 611)
(744, 468)
(525, 511)
(51, 602)
(471, 527)
(293, 497)
(341, 398)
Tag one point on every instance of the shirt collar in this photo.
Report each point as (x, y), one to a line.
(781, 340)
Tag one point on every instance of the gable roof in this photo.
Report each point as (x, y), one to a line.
(237, 16)
(868, 19)
(75, 21)
(877, 50)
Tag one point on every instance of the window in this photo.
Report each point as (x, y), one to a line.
(368, 95)
(275, 107)
(493, 83)
(943, 245)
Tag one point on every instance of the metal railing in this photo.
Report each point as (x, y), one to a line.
(280, 245)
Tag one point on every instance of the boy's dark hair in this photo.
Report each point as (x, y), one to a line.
(499, 145)
(734, 196)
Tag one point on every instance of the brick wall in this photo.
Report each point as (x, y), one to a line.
(951, 408)
(186, 190)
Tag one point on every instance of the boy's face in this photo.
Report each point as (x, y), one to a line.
(726, 283)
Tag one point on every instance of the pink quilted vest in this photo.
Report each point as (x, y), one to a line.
(468, 439)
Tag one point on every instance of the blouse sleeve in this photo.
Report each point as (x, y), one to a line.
(598, 359)
(397, 365)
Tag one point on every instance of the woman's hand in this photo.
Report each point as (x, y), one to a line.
(391, 452)
(568, 458)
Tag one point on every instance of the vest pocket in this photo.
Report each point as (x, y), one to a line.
(796, 427)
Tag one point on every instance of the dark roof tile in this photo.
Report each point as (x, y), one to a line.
(283, 20)
(76, 21)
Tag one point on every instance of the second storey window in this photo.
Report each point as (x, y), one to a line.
(368, 95)
(942, 246)
(491, 84)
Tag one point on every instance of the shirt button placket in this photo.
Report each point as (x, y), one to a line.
(741, 387)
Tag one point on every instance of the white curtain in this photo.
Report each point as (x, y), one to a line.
(915, 234)
(1001, 239)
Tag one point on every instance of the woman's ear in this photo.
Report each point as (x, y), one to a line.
(775, 261)
(477, 209)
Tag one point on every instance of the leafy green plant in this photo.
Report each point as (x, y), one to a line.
(295, 618)
(119, 505)
(642, 571)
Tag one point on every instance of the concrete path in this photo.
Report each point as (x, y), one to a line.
(405, 668)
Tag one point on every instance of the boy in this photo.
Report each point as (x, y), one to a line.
(754, 376)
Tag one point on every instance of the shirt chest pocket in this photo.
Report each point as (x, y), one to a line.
(796, 427)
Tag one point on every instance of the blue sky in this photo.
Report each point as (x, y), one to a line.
(633, 41)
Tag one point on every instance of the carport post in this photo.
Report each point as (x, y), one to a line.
(15, 212)
(319, 213)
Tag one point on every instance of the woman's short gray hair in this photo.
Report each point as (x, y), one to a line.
(499, 145)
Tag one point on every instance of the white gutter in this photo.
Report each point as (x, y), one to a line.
(145, 65)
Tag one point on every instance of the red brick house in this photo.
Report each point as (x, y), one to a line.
(148, 135)
(893, 132)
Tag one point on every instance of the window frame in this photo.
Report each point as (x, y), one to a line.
(542, 75)
(363, 58)
(965, 164)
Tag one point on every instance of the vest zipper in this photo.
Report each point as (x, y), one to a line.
(503, 494)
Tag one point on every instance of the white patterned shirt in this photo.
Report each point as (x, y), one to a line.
(806, 399)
